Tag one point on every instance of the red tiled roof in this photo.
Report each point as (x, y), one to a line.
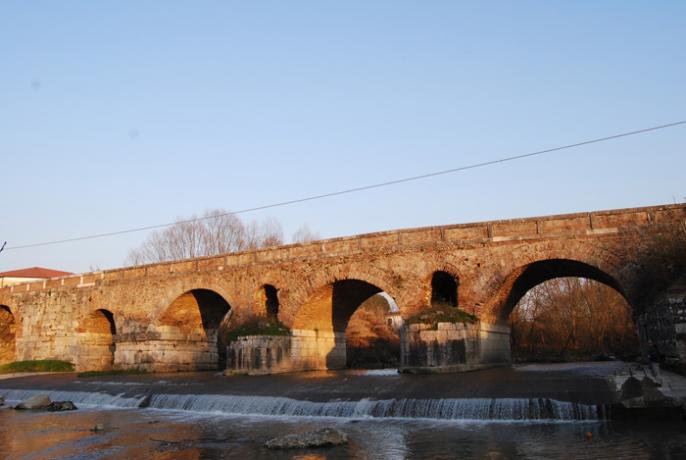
(34, 272)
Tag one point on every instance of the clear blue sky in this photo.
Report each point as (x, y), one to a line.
(121, 114)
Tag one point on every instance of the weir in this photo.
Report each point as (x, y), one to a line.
(464, 409)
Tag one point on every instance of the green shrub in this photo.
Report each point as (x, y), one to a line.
(43, 365)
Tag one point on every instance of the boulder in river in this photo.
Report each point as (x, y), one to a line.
(34, 402)
(324, 437)
(58, 406)
(2, 401)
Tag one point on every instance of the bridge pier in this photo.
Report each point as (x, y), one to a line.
(166, 356)
(453, 347)
(303, 350)
(662, 326)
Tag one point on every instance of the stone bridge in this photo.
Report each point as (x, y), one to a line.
(167, 316)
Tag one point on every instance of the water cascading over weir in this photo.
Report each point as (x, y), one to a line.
(465, 409)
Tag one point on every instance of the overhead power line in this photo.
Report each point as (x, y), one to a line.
(358, 189)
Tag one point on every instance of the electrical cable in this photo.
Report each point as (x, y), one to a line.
(356, 189)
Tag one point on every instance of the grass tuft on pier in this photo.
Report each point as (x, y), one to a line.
(259, 326)
(442, 314)
(42, 365)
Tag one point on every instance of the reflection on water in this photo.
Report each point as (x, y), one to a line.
(157, 434)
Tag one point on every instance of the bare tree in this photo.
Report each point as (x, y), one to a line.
(215, 232)
(304, 235)
(572, 318)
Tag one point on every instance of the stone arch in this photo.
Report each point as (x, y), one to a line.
(303, 292)
(322, 320)
(8, 335)
(330, 306)
(198, 316)
(98, 332)
(525, 277)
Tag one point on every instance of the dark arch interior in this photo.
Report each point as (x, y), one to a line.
(443, 289)
(271, 300)
(541, 271)
(361, 314)
(110, 319)
(373, 335)
(7, 335)
(347, 296)
(212, 310)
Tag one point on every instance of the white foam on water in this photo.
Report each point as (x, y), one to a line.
(466, 409)
(505, 409)
(86, 398)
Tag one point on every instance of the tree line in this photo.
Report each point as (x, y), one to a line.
(214, 232)
(572, 319)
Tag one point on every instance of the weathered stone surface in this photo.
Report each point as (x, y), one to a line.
(161, 318)
(453, 347)
(325, 437)
(34, 402)
(259, 354)
(665, 324)
(59, 406)
(630, 389)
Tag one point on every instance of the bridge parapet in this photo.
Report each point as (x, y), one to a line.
(481, 233)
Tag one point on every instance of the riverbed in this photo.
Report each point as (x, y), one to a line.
(524, 413)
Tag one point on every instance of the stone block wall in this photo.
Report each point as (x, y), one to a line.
(259, 354)
(663, 325)
(303, 350)
(453, 347)
(494, 344)
(317, 350)
(166, 356)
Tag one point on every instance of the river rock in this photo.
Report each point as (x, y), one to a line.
(2, 401)
(98, 427)
(34, 402)
(58, 406)
(323, 437)
(631, 388)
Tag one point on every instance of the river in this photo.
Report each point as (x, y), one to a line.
(234, 417)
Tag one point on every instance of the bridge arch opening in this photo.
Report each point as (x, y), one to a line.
(355, 324)
(564, 310)
(8, 327)
(533, 274)
(269, 299)
(443, 289)
(99, 329)
(201, 317)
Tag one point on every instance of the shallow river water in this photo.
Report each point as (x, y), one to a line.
(169, 434)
